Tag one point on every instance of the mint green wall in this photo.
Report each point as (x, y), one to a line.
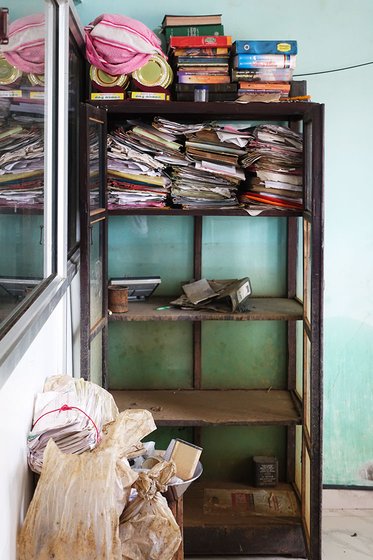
(331, 34)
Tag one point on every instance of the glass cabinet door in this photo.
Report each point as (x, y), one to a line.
(93, 245)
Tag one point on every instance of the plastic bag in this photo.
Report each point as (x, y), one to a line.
(79, 498)
(148, 529)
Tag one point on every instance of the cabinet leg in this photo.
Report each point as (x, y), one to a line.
(177, 510)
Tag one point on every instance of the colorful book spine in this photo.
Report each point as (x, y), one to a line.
(200, 51)
(205, 60)
(202, 41)
(222, 88)
(193, 30)
(264, 61)
(263, 74)
(264, 86)
(265, 47)
(203, 79)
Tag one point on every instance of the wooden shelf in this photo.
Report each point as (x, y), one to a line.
(268, 212)
(192, 407)
(261, 309)
(191, 111)
(238, 529)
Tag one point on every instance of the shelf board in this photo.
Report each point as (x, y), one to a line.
(261, 309)
(268, 212)
(192, 407)
(205, 111)
(238, 529)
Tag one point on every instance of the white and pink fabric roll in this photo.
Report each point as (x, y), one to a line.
(26, 47)
(118, 44)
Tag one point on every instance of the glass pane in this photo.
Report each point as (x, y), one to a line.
(95, 173)
(298, 458)
(253, 247)
(150, 355)
(299, 359)
(307, 490)
(96, 273)
(75, 96)
(96, 359)
(307, 259)
(152, 245)
(308, 161)
(307, 382)
(244, 355)
(23, 125)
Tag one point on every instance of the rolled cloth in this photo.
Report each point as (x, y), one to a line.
(119, 44)
(26, 47)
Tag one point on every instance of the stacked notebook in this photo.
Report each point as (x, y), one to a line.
(263, 68)
(138, 157)
(275, 161)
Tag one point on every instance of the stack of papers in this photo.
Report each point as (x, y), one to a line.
(72, 412)
(21, 166)
(274, 159)
(137, 161)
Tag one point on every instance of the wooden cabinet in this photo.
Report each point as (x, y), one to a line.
(239, 384)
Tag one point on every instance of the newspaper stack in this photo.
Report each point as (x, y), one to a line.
(72, 412)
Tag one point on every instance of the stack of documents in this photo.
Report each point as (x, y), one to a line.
(72, 412)
(137, 160)
(213, 175)
(274, 159)
(21, 166)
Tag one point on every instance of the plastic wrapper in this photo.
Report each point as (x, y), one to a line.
(75, 511)
(148, 529)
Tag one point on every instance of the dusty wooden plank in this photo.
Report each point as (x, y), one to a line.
(212, 407)
(226, 532)
(261, 309)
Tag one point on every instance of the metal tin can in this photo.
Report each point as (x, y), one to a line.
(156, 72)
(266, 471)
(8, 73)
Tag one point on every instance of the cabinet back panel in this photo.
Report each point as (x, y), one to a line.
(149, 355)
(22, 253)
(244, 355)
(253, 247)
(152, 245)
(228, 451)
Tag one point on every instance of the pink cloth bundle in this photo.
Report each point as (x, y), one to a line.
(26, 47)
(119, 44)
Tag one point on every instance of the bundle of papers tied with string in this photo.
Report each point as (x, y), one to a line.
(73, 413)
(219, 295)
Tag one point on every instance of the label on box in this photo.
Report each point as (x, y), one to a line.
(36, 94)
(243, 292)
(11, 93)
(104, 96)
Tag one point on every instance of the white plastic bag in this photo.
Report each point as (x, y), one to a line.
(74, 514)
(148, 530)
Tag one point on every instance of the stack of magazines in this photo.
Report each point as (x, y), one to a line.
(138, 156)
(274, 159)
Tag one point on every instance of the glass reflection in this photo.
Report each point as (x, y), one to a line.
(22, 110)
(94, 166)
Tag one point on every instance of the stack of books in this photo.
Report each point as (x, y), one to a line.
(274, 160)
(199, 54)
(263, 68)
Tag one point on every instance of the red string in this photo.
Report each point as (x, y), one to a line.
(67, 407)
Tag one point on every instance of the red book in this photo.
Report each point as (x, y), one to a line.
(201, 41)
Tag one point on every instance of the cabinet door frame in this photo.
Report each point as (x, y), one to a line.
(89, 218)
